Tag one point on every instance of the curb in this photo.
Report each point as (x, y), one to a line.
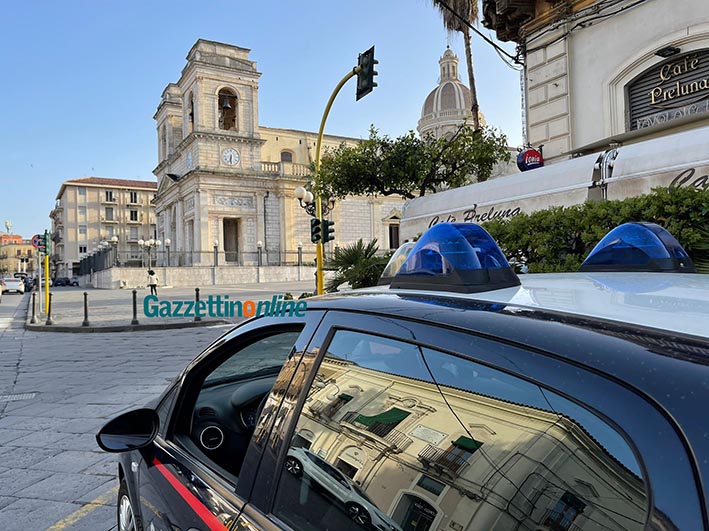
(123, 328)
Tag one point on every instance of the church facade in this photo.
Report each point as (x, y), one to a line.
(226, 184)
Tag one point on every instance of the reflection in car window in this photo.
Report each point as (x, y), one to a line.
(440, 442)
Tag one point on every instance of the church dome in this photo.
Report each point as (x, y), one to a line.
(447, 105)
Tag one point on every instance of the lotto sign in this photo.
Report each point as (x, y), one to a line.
(35, 241)
(529, 159)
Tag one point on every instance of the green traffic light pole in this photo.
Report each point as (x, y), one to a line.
(318, 200)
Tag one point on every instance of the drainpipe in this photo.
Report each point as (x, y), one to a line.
(265, 234)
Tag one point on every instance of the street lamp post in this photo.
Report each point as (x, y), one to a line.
(259, 245)
(141, 244)
(114, 247)
(167, 246)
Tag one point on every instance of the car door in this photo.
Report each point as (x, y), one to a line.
(190, 475)
(446, 429)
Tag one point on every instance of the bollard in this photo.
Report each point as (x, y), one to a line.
(196, 305)
(34, 308)
(49, 311)
(86, 310)
(135, 308)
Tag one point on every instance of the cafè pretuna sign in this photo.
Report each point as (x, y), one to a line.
(672, 89)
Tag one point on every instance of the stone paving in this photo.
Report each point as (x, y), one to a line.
(58, 389)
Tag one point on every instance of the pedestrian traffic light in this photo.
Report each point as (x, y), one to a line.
(315, 230)
(328, 230)
(365, 77)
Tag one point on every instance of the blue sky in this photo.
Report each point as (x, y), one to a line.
(82, 79)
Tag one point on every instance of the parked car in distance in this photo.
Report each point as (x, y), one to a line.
(74, 281)
(14, 284)
(62, 281)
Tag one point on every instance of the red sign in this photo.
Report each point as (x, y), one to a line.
(35, 241)
(529, 158)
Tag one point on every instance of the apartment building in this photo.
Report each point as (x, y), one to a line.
(16, 255)
(92, 210)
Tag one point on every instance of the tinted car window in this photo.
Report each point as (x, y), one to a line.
(436, 441)
(229, 401)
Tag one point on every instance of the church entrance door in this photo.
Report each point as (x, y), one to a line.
(231, 239)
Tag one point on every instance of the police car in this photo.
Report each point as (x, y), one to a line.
(456, 396)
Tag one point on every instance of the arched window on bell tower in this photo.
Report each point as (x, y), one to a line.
(227, 110)
(190, 116)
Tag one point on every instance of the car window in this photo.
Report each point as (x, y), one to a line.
(431, 440)
(219, 422)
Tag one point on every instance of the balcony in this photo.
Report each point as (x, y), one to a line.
(554, 520)
(442, 460)
(105, 219)
(282, 169)
(384, 431)
(109, 200)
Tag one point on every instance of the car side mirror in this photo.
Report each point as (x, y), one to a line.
(130, 431)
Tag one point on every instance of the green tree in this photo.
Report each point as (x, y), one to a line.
(468, 11)
(411, 166)
(357, 265)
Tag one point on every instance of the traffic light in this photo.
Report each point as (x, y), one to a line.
(315, 230)
(365, 77)
(43, 241)
(328, 230)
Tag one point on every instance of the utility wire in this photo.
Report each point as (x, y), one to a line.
(486, 39)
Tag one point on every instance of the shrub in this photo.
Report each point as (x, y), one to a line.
(559, 238)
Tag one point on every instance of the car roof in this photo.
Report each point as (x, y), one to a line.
(673, 302)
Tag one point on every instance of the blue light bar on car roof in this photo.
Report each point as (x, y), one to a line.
(639, 247)
(460, 257)
(395, 263)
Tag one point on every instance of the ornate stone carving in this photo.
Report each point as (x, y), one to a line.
(233, 202)
(189, 204)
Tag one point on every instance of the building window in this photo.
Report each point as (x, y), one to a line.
(393, 236)
(431, 485)
(82, 213)
(82, 249)
(562, 516)
(109, 214)
(82, 231)
(109, 196)
(227, 110)
(134, 233)
(134, 252)
(286, 156)
(133, 197)
(110, 231)
(134, 215)
(81, 191)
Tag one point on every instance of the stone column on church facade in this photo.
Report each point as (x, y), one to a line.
(179, 243)
(260, 220)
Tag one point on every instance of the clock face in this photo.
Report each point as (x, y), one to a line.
(230, 156)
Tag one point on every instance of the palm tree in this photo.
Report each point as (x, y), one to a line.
(468, 10)
(357, 265)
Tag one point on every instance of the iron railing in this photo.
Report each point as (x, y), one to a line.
(442, 460)
(384, 431)
(558, 521)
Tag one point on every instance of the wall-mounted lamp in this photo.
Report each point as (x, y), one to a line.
(668, 51)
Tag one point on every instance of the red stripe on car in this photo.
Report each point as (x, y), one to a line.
(197, 506)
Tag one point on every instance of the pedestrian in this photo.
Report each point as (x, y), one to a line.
(153, 282)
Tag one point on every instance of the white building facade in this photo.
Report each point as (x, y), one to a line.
(226, 185)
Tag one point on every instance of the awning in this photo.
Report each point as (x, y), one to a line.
(465, 443)
(392, 416)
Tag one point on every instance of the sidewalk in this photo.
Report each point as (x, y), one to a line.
(112, 310)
